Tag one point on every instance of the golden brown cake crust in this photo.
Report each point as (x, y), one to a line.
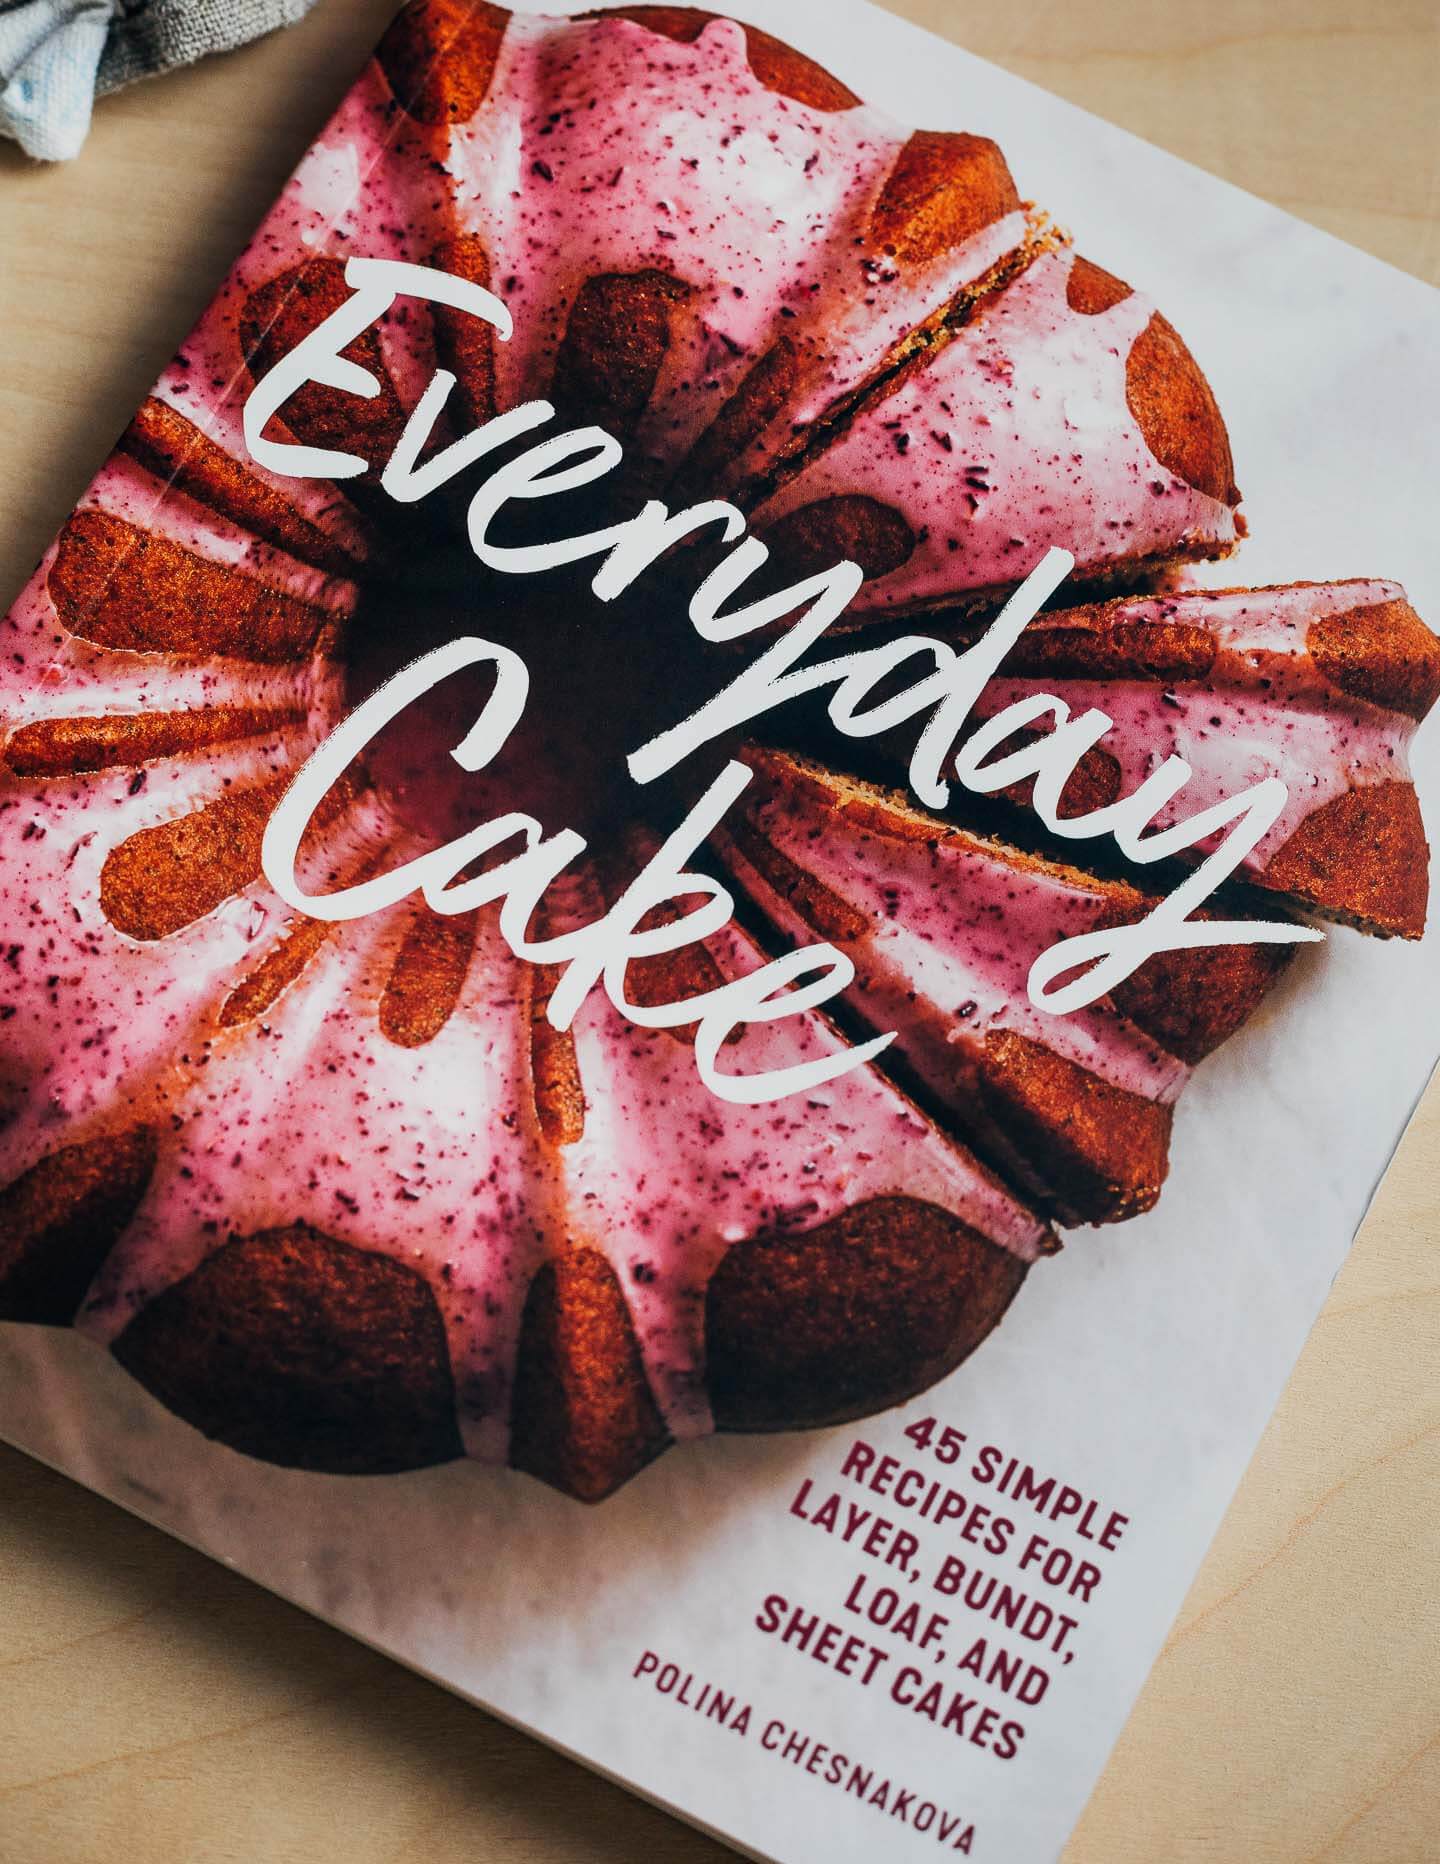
(850, 1317)
(778, 66)
(66, 746)
(1382, 652)
(175, 450)
(1090, 289)
(1089, 643)
(945, 186)
(1379, 652)
(61, 1218)
(1100, 1152)
(162, 878)
(169, 875)
(1192, 1001)
(616, 341)
(439, 57)
(305, 1351)
(554, 1066)
(1168, 394)
(848, 525)
(583, 1417)
(119, 586)
(1363, 856)
(427, 977)
(277, 970)
(1176, 411)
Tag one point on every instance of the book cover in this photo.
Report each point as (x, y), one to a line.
(707, 951)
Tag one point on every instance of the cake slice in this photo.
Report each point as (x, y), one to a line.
(794, 1262)
(943, 926)
(702, 236)
(1320, 684)
(1066, 413)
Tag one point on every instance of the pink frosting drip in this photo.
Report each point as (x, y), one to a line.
(603, 147)
(666, 1177)
(1266, 709)
(433, 1156)
(429, 1155)
(89, 1013)
(1015, 439)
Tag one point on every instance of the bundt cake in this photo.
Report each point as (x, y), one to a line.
(342, 1194)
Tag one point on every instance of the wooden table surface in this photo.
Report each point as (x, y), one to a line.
(154, 1706)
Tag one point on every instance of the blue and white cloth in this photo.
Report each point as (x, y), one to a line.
(57, 56)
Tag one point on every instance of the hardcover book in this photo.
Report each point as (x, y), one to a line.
(707, 953)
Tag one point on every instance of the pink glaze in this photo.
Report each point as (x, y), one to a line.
(956, 923)
(433, 1156)
(603, 147)
(1266, 709)
(1015, 439)
(364, 187)
(430, 1155)
(89, 1015)
(666, 1177)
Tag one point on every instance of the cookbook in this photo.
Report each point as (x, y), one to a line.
(715, 900)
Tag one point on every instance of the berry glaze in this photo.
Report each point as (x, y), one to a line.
(92, 1011)
(1265, 708)
(437, 1156)
(755, 207)
(1014, 437)
(265, 1052)
(714, 252)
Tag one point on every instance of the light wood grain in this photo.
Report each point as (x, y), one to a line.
(154, 1706)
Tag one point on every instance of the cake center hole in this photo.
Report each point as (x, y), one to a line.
(603, 678)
